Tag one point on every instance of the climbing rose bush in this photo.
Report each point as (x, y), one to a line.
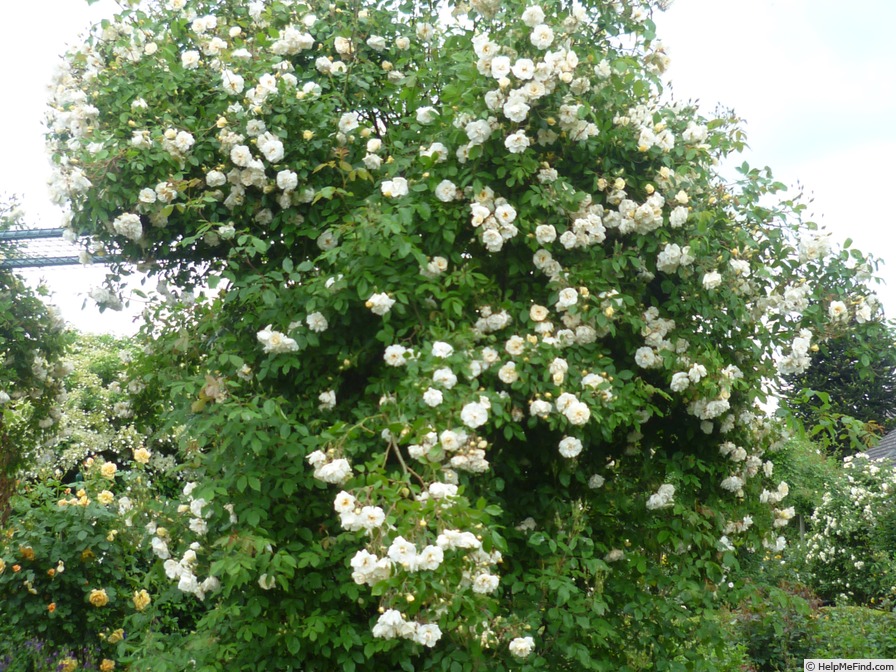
(479, 379)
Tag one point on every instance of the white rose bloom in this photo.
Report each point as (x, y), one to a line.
(474, 415)
(442, 350)
(432, 397)
(317, 322)
(493, 240)
(380, 303)
(402, 551)
(276, 342)
(376, 42)
(500, 67)
(395, 188)
(516, 143)
(241, 156)
(327, 240)
(395, 355)
(233, 83)
(545, 233)
(430, 558)
(678, 216)
(712, 280)
(190, 59)
(446, 191)
(662, 498)
(444, 377)
(187, 582)
(336, 472)
(215, 178)
(680, 381)
(287, 180)
(515, 345)
(577, 413)
(540, 408)
(542, 36)
(372, 162)
(428, 634)
(567, 297)
(426, 115)
(348, 122)
(271, 146)
(569, 240)
(523, 69)
(521, 647)
(344, 503)
(372, 517)
(508, 373)
(437, 150)
(732, 483)
(538, 313)
(343, 46)
(129, 226)
(485, 583)
(327, 400)
(516, 109)
(596, 481)
(478, 131)
(838, 311)
(570, 447)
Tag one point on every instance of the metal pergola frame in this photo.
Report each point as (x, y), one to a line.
(18, 259)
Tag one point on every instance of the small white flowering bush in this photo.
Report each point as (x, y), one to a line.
(850, 552)
(479, 382)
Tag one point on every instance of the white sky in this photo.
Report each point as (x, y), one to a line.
(815, 81)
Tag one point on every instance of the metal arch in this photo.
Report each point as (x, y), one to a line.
(25, 248)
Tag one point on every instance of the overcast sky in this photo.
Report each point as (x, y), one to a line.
(814, 81)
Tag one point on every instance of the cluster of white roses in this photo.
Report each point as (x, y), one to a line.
(494, 217)
(663, 498)
(275, 341)
(798, 359)
(329, 469)
(184, 570)
(392, 624)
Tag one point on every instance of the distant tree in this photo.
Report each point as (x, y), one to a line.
(851, 374)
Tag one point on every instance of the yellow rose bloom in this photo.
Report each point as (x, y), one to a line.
(98, 597)
(105, 498)
(142, 455)
(141, 600)
(68, 665)
(107, 665)
(116, 636)
(108, 470)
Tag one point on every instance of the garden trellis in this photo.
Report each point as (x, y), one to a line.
(32, 248)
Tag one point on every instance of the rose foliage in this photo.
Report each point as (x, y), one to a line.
(478, 385)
